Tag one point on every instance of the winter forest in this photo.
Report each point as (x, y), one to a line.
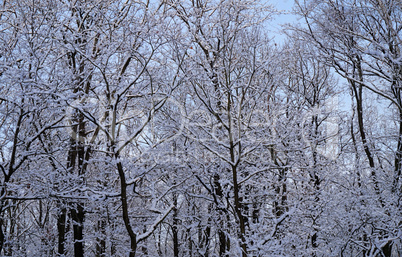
(180, 128)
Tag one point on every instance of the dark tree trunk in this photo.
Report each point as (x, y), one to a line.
(398, 159)
(175, 231)
(124, 206)
(61, 229)
(224, 245)
(78, 215)
(100, 248)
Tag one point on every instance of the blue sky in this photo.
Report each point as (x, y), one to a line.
(283, 5)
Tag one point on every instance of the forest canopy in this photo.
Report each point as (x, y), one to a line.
(180, 128)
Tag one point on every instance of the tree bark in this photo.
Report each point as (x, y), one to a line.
(124, 205)
(61, 230)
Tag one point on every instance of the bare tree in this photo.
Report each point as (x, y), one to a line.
(359, 40)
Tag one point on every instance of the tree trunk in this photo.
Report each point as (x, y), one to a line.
(175, 232)
(100, 248)
(61, 229)
(398, 158)
(124, 205)
(78, 215)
